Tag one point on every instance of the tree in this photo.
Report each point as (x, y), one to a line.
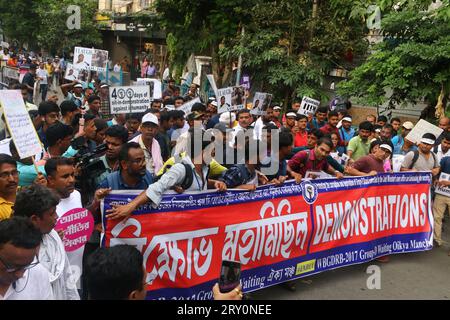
(412, 63)
(288, 46)
(43, 24)
(55, 36)
(18, 20)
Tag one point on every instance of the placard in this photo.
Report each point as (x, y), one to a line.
(420, 129)
(90, 59)
(261, 101)
(19, 124)
(154, 85)
(186, 108)
(308, 106)
(78, 225)
(134, 99)
(230, 99)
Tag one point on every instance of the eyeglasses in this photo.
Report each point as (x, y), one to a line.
(138, 161)
(5, 175)
(11, 269)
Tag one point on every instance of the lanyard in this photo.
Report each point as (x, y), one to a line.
(201, 186)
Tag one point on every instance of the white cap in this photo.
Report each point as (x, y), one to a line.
(347, 119)
(427, 141)
(277, 108)
(227, 117)
(408, 125)
(214, 103)
(291, 114)
(386, 146)
(150, 117)
(78, 85)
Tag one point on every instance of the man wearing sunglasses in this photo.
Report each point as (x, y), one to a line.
(21, 275)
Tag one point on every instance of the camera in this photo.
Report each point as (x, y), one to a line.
(91, 167)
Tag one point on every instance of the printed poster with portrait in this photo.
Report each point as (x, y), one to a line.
(261, 101)
(90, 59)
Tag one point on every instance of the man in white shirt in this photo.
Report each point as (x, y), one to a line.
(22, 277)
(42, 76)
(61, 179)
(261, 122)
(38, 204)
(443, 149)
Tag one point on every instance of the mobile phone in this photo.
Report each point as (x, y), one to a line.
(230, 276)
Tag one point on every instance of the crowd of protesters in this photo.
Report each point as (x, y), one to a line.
(154, 152)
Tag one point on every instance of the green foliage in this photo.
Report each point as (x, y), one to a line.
(413, 61)
(43, 23)
(284, 49)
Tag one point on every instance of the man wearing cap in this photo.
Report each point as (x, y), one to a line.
(276, 116)
(212, 109)
(401, 145)
(149, 144)
(76, 96)
(373, 163)
(291, 117)
(346, 132)
(422, 159)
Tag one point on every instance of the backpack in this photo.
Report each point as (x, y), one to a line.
(188, 177)
(416, 157)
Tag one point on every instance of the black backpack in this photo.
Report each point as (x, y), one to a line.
(188, 177)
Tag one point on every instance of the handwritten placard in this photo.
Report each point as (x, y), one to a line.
(19, 124)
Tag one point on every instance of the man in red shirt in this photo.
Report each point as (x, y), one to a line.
(301, 135)
(331, 127)
(373, 163)
(312, 160)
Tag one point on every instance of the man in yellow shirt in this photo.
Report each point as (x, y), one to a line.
(9, 180)
(50, 70)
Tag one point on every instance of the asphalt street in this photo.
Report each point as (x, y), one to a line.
(423, 275)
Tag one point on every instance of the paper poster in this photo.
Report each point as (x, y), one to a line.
(342, 158)
(261, 101)
(134, 99)
(78, 225)
(90, 59)
(308, 106)
(73, 74)
(397, 161)
(230, 99)
(420, 129)
(155, 87)
(317, 175)
(19, 124)
(445, 191)
(186, 108)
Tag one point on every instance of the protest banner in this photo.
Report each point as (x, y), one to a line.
(19, 124)
(261, 101)
(230, 99)
(308, 106)
(154, 85)
(287, 232)
(186, 108)
(90, 59)
(420, 129)
(129, 99)
(78, 225)
(445, 191)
